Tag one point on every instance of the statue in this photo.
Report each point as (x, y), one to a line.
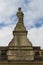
(20, 15)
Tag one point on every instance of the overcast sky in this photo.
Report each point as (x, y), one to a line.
(33, 20)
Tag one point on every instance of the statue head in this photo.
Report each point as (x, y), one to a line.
(19, 9)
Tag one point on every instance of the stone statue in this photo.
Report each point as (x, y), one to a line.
(20, 15)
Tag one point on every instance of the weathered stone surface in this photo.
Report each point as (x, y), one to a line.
(21, 63)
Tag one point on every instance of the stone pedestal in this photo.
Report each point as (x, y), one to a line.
(23, 53)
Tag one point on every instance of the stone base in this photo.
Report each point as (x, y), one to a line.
(13, 58)
(20, 54)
